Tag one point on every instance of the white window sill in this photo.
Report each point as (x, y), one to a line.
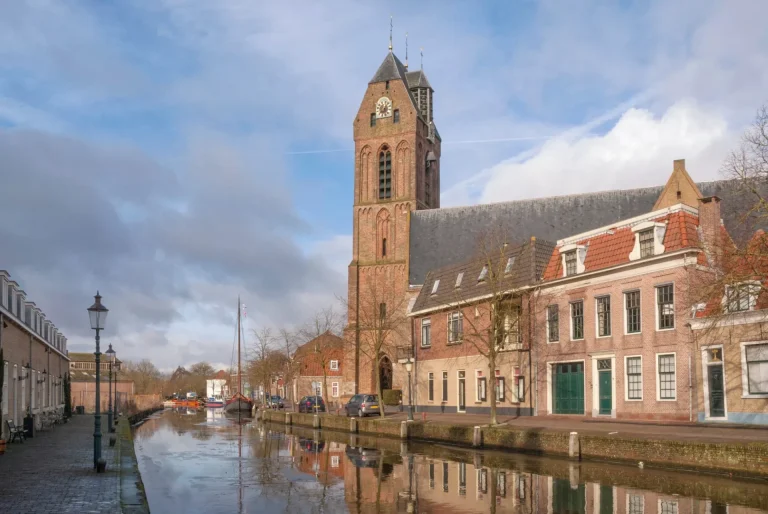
(553, 342)
(424, 347)
(577, 340)
(665, 329)
(754, 396)
(604, 337)
(666, 399)
(633, 400)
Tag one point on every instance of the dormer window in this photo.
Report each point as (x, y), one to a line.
(458, 279)
(510, 263)
(741, 297)
(483, 274)
(570, 263)
(649, 237)
(646, 243)
(435, 286)
(573, 257)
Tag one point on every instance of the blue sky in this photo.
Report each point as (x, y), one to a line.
(178, 153)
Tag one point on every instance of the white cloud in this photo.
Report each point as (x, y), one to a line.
(638, 151)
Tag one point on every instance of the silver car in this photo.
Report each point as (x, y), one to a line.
(362, 405)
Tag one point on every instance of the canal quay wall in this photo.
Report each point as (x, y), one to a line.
(733, 458)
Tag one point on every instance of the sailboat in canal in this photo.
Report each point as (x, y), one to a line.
(239, 403)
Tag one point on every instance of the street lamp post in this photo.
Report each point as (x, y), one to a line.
(408, 367)
(111, 358)
(114, 405)
(98, 315)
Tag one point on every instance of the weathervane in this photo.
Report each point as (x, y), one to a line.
(421, 51)
(406, 50)
(390, 33)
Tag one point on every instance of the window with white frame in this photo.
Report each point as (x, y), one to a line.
(483, 274)
(666, 377)
(553, 323)
(501, 484)
(458, 279)
(577, 320)
(570, 263)
(455, 327)
(445, 477)
(634, 378)
(667, 507)
(756, 363)
(519, 389)
(317, 388)
(603, 305)
(665, 299)
(512, 336)
(334, 365)
(462, 478)
(741, 297)
(334, 461)
(481, 386)
(335, 389)
(431, 383)
(500, 387)
(647, 243)
(482, 480)
(445, 386)
(431, 475)
(426, 333)
(635, 504)
(510, 263)
(632, 308)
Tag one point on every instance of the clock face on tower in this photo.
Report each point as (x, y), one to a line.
(384, 107)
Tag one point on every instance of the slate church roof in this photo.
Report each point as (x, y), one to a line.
(442, 237)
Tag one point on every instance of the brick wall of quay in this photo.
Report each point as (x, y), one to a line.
(736, 458)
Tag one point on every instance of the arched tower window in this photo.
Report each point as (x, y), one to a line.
(385, 173)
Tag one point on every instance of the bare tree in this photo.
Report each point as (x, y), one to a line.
(260, 368)
(288, 342)
(381, 321)
(145, 375)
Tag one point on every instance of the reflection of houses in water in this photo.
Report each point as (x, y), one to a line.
(323, 459)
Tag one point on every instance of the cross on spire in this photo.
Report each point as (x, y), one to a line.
(390, 33)
(421, 51)
(406, 50)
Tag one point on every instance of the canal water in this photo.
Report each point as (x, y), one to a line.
(206, 462)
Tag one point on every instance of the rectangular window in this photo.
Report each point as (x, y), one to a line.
(667, 386)
(445, 386)
(741, 297)
(334, 365)
(756, 357)
(636, 504)
(665, 298)
(373, 119)
(553, 323)
(632, 305)
(520, 389)
(501, 484)
(500, 388)
(482, 480)
(646, 243)
(481, 386)
(603, 316)
(335, 389)
(334, 461)
(483, 274)
(570, 263)
(445, 477)
(521, 487)
(462, 478)
(455, 327)
(634, 378)
(667, 507)
(577, 320)
(431, 382)
(396, 116)
(510, 263)
(382, 310)
(426, 333)
(431, 475)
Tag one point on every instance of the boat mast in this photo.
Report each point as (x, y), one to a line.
(239, 377)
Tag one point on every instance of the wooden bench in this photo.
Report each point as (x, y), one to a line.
(16, 432)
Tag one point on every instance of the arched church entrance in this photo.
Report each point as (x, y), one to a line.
(385, 373)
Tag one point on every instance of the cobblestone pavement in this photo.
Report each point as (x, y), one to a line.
(53, 473)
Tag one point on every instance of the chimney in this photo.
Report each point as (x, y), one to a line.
(709, 227)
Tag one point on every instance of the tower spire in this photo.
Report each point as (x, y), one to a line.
(390, 33)
(406, 50)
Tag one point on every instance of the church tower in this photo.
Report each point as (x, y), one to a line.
(397, 171)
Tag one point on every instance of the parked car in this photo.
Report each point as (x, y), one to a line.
(362, 405)
(363, 457)
(276, 402)
(312, 404)
(310, 445)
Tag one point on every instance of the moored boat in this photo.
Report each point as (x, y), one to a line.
(214, 403)
(239, 403)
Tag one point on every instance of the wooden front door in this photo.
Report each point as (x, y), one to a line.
(462, 405)
(716, 391)
(568, 388)
(605, 393)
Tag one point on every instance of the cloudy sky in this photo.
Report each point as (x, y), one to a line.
(175, 153)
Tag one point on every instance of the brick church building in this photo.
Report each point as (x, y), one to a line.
(400, 233)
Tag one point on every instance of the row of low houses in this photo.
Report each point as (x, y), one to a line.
(601, 324)
(35, 359)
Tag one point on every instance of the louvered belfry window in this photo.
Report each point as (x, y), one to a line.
(385, 174)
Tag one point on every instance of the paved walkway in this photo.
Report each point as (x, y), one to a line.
(677, 431)
(53, 473)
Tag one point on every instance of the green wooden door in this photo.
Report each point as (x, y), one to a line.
(716, 393)
(606, 396)
(566, 500)
(568, 388)
(606, 499)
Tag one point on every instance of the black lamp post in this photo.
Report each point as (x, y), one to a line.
(111, 358)
(408, 367)
(114, 405)
(98, 315)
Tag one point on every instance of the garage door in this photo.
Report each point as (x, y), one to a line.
(568, 388)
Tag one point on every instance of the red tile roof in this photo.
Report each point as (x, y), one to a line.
(613, 247)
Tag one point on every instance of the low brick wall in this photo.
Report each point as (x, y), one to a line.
(532, 441)
(378, 427)
(461, 435)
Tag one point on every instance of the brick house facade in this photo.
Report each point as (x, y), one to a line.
(35, 359)
(82, 372)
(325, 352)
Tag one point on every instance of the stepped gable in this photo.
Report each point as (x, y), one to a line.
(442, 237)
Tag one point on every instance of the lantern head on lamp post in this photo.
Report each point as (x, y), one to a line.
(98, 315)
(111, 359)
(408, 368)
